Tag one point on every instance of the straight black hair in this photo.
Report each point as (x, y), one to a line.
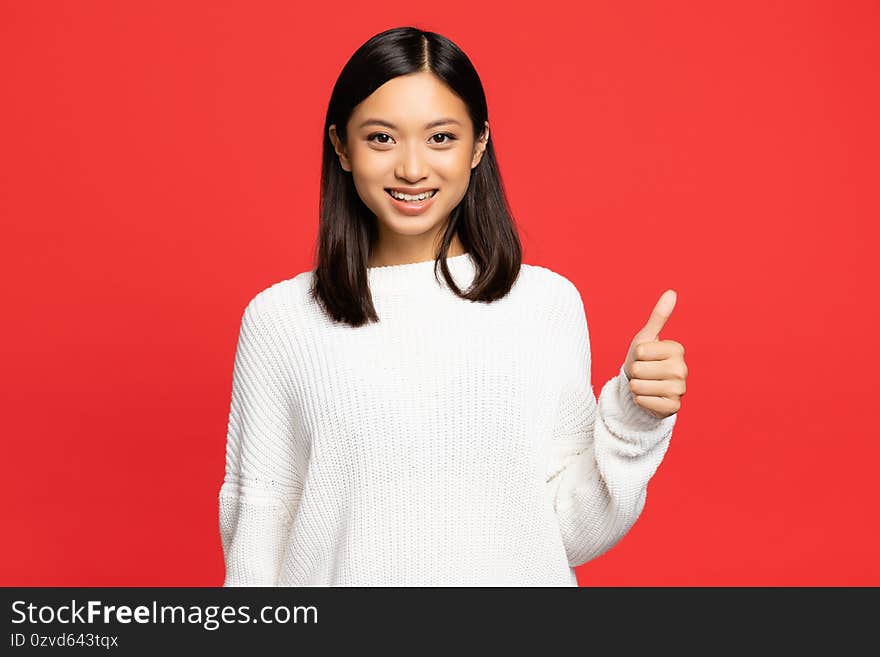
(347, 230)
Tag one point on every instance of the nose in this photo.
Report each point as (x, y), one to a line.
(412, 165)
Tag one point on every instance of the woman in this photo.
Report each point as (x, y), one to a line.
(392, 427)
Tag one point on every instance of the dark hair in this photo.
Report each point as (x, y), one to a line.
(348, 232)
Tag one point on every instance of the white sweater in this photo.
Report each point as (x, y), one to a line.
(451, 444)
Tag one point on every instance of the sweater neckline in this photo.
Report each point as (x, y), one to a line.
(420, 275)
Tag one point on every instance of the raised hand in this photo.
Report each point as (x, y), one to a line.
(655, 368)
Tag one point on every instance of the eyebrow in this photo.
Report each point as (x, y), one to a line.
(432, 124)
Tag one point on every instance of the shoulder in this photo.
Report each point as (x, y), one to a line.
(287, 298)
(272, 320)
(545, 283)
(565, 311)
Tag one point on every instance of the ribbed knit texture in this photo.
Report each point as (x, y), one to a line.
(451, 444)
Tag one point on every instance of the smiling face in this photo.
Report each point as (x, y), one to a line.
(411, 133)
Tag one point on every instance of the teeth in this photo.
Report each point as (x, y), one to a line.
(408, 197)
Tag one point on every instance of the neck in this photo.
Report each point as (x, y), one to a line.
(419, 276)
(383, 257)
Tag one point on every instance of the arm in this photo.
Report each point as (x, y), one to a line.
(261, 487)
(603, 454)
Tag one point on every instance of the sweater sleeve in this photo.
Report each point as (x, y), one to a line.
(261, 487)
(603, 454)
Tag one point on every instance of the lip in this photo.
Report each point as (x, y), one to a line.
(412, 209)
(411, 190)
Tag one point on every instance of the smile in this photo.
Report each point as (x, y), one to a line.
(411, 198)
(413, 207)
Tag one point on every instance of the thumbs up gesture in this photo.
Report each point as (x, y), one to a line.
(655, 368)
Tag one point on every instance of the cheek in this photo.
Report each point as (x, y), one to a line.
(367, 163)
(366, 190)
(457, 177)
(457, 166)
(366, 175)
(453, 171)
(370, 174)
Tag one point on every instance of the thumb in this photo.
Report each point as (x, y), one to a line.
(662, 310)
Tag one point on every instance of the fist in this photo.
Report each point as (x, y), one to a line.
(655, 368)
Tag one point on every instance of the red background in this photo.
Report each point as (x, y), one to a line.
(161, 165)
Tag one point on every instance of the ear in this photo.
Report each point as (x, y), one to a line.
(339, 148)
(480, 146)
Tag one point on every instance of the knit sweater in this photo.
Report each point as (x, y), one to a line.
(453, 443)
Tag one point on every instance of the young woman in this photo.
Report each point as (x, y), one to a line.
(393, 427)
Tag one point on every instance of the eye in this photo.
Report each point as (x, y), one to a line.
(450, 136)
(373, 138)
(378, 134)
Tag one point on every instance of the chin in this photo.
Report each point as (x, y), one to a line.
(410, 225)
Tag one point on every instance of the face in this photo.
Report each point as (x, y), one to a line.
(411, 133)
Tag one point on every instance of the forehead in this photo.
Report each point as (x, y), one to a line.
(411, 101)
